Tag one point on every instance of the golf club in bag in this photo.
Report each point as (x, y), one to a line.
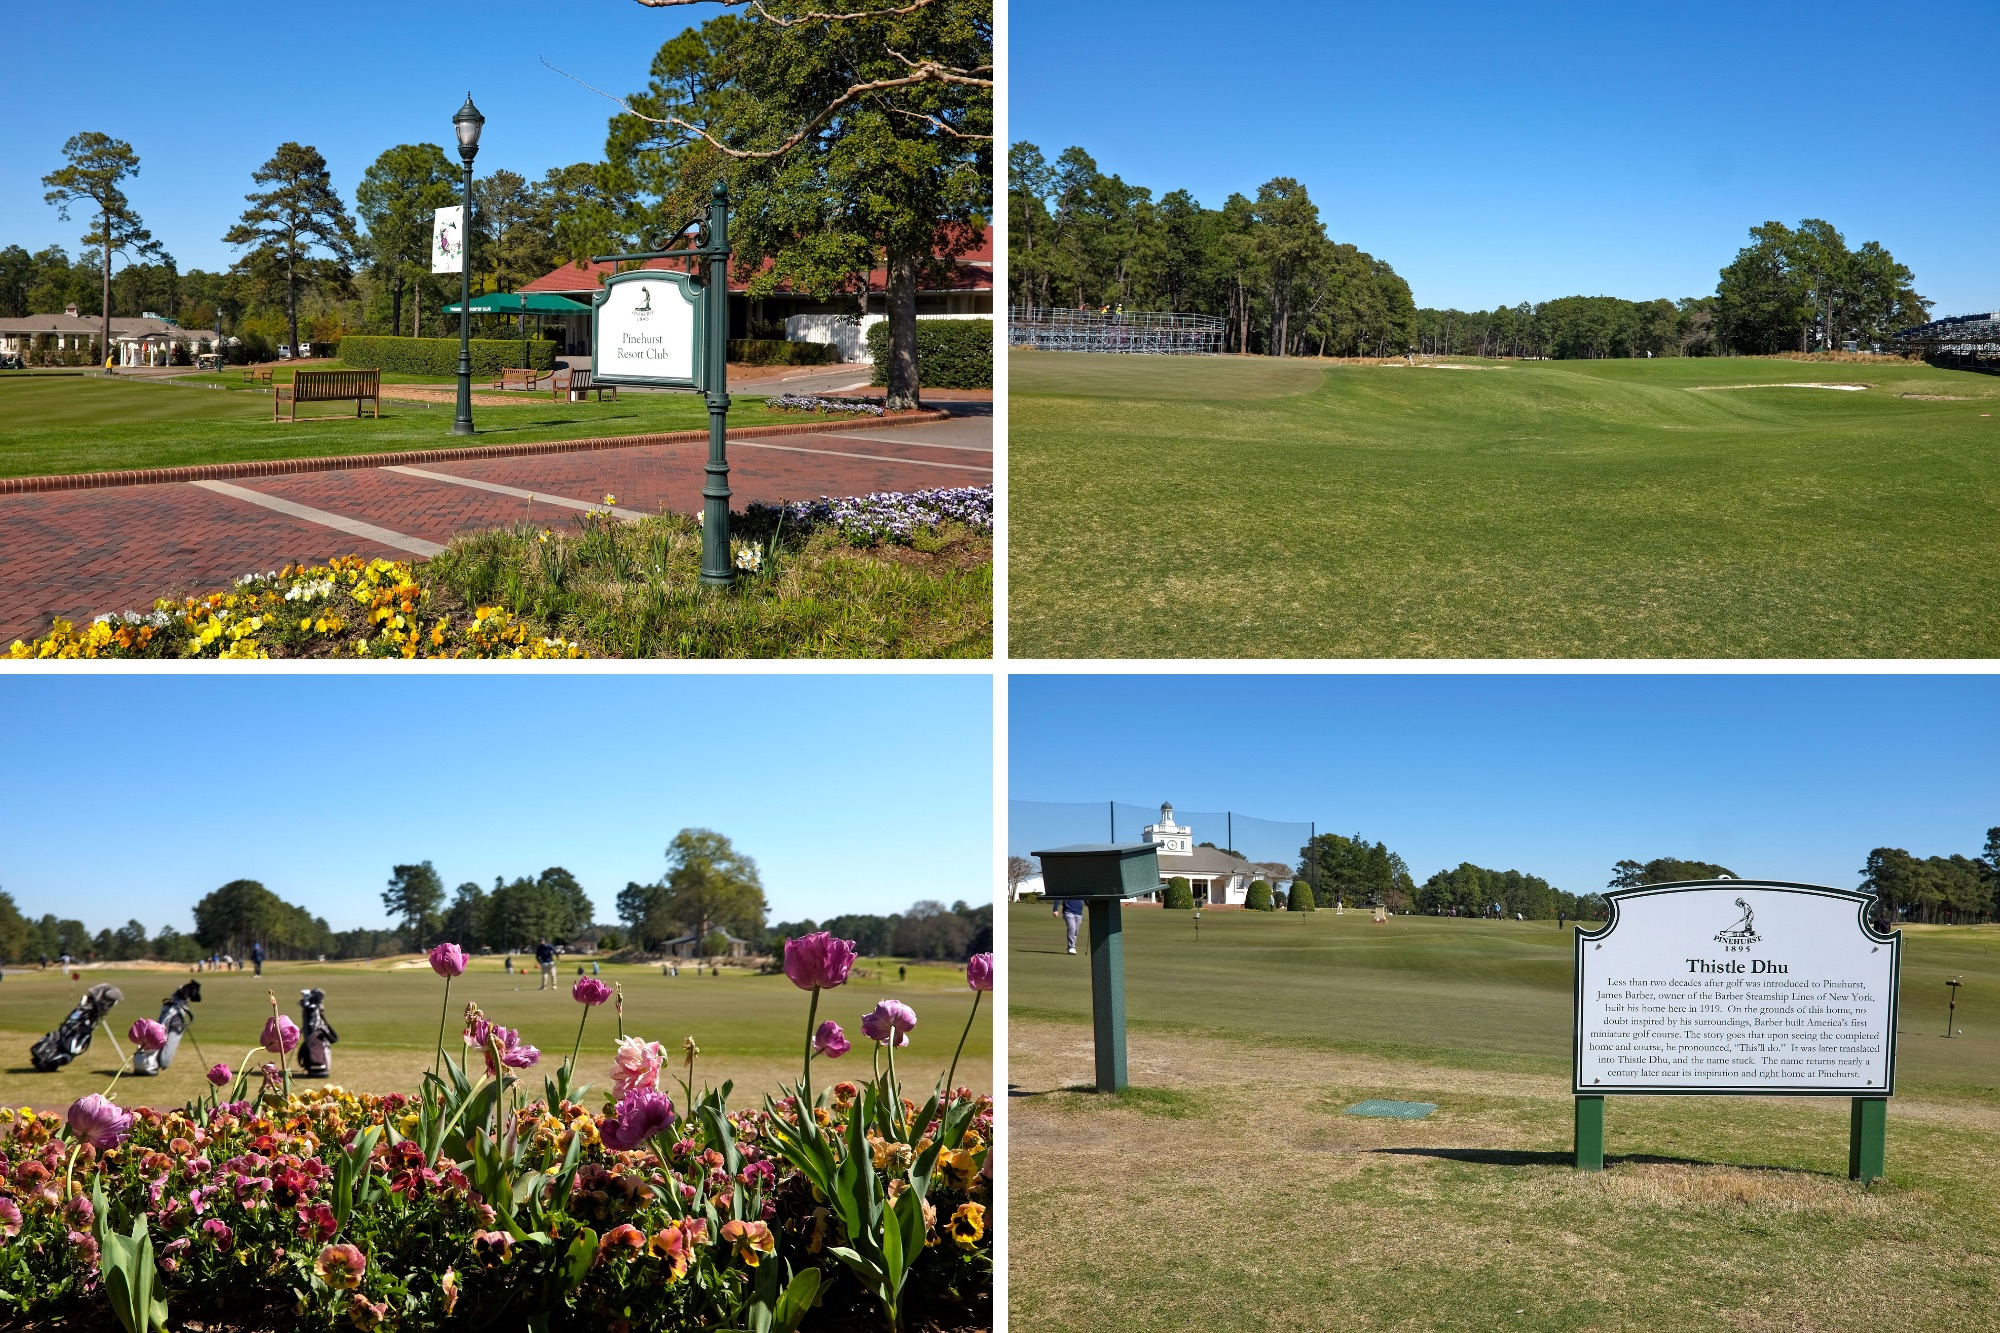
(72, 1037)
(315, 1035)
(174, 1017)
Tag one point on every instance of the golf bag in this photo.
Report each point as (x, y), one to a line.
(72, 1037)
(174, 1017)
(315, 1035)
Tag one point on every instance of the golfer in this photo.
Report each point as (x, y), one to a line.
(545, 954)
(257, 956)
(1071, 910)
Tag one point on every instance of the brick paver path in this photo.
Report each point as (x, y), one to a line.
(78, 554)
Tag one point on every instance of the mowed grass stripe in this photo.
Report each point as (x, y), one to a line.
(1235, 508)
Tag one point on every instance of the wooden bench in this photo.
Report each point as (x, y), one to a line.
(256, 374)
(514, 377)
(329, 386)
(567, 385)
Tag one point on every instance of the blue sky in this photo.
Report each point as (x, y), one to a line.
(1500, 153)
(1776, 777)
(132, 796)
(206, 96)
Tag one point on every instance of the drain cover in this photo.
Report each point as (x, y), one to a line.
(1376, 1106)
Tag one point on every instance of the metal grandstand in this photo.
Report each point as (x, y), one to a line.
(1970, 341)
(1144, 333)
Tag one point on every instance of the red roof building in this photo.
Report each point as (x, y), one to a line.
(968, 294)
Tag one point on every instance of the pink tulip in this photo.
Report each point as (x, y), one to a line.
(640, 1116)
(281, 1035)
(979, 971)
(219, 1074)
(147, 1035)
(830, 1041)
(513, 1052)
(636, 1065)
(819, 961)
(448, 960)
(890, 1018)
(96, 1119)
(590, 991)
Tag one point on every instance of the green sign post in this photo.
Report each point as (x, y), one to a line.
(656, 329)
(1738, 988)
(1103, 875)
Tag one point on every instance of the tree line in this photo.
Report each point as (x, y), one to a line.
(1081, 239)
(848, 141)
(928, 930)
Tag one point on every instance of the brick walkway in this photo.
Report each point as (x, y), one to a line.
(78, 554)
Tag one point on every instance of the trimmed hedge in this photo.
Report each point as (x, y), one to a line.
(1301, 898)
(951, 353)
(1178, 895)
(1258, 897)
(779, 352)
(439, 356)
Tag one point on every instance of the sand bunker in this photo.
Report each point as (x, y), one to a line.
(1800, 384)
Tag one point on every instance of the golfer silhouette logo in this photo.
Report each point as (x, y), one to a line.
(644, 310)
(1745, 929)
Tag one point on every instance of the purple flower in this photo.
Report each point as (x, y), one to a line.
(448, 960)
(281, 1034)
(642, 1114)
(890, 1018)
(590, 991)
(147, 1035)
(512, 1051)
(218, 1231)
(10, 1219)
(830, 1041)
(819, 961)
(979, 971)
(80, 1211)
(219, 1074)
(97, 1119)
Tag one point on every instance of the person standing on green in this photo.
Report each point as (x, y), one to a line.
(1071, 911)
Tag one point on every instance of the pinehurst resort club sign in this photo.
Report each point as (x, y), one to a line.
(1737, 987)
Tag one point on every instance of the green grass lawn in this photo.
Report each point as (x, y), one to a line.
(98, 423)
(1244, 507)
(1229, 1189)
(750, 1028)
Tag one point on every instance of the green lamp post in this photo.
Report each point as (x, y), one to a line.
(467, 123)
(1103, 875)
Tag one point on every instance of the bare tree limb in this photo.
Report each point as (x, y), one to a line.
(944, 128)
(926, 72)
(815, 17)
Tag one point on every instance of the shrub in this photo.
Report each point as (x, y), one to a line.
(1179, 894)
(1301, 898)
(779, 352)
(1258, 897)
(951, 353)
(439, 356)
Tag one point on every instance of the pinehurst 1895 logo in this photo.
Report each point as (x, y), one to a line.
(1739, 937)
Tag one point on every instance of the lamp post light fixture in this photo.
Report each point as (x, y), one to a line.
(467, 123)
(1951, 1010)
(1197, 923)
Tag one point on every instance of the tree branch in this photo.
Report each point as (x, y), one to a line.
(814, 17)
(926, 72)
(956, 134)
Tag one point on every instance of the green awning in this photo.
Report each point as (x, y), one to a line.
(510, 303)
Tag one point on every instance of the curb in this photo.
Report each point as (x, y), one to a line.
(280, 467)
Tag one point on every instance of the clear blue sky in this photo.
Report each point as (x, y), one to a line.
(132, 796)
(1785, 777)
(206, 95)
(1500, 153)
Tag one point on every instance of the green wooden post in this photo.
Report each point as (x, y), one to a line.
(1107, 991)
(1867, 1138)
(1589, 1133)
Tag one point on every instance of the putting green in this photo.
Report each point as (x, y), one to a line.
(1240, 507)
(750, 1028)
(1229, 1188)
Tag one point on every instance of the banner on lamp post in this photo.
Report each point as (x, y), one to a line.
(448, 240)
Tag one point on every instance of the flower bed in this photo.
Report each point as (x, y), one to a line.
(806, 402)
(472, 1205)
(891, 516)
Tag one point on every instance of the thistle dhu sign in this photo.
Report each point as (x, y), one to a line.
(1737, 987)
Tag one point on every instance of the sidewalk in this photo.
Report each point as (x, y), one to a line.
(80, 554)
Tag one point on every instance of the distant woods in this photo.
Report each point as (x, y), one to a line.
(1081, 239)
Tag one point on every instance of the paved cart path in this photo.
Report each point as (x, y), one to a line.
(79, 554)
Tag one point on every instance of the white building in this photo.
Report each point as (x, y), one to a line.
(147, 340)
(1218, 878)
